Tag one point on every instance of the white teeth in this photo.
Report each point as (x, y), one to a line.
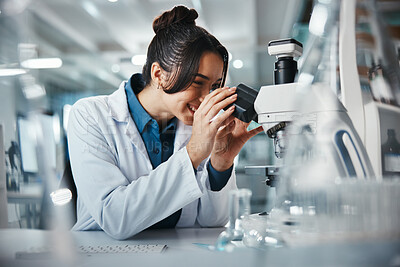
(192, 108)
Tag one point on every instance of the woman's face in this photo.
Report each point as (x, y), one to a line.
(183, 104)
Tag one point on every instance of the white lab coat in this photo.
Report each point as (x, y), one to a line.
(118, 189)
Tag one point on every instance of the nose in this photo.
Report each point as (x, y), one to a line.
(203, 94)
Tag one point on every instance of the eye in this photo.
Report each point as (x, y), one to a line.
(215, 86)
(198, 83)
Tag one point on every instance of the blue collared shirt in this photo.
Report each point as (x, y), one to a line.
(160, 145)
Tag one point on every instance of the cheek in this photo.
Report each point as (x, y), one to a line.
(177, 106)
(186, 97)
(177, 103)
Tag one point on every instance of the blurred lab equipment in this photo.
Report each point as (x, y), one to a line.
(348, 158)
(11, 179)
(373, 56)
(328, 189)
(239, 210)
(14, 167)
(14, 156)
(38, 137)
(3, 186)
(317, 209)
(64, 198)
(28, 138)
(391, 155)
(42, 130)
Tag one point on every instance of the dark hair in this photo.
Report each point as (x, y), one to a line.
(178, 46)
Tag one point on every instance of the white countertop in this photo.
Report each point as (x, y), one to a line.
(182, 252)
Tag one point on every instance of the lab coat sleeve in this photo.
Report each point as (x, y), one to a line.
(213, 205)
(120, 207)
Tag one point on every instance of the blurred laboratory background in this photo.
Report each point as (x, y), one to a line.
(54, 52)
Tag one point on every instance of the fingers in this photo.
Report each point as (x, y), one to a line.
(217, 107)
(217, 100)
(229, 120)
(240, 129)
(222, 119)
(255, 131)
(221, 99)
(212, 94)
(227, 128)
(218, 91)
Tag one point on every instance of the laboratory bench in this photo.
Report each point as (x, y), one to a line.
(182, 250)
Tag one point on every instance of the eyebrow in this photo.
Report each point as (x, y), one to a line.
(205, 77)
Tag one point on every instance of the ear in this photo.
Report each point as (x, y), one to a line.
(158, 74)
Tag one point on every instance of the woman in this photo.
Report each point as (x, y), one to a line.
(154, 154)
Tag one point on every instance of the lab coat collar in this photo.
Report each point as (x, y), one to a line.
(120, 112)
(182, 135)
(118, 105)
(139, 114)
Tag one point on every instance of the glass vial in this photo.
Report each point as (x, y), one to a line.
(391, 155)
(239, 210)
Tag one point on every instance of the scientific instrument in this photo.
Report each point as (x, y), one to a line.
(239, 210)
(322, 123)
(348, 158)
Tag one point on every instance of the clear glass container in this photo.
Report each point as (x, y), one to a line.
(391, 155)
(328, 190)
(239, 210)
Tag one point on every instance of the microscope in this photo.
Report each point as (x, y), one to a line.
(275, 115)
(272, 106)
(276, 108)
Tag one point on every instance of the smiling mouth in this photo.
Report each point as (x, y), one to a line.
(192, 108)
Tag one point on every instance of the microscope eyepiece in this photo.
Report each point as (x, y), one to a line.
(244, 105)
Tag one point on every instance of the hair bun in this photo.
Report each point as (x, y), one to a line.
(177, 15)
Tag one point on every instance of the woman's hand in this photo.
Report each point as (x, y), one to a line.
(205, 124)
(229, 141)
